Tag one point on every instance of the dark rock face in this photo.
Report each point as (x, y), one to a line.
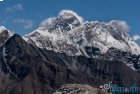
(92, 51)
(26, 69)
(130, 59)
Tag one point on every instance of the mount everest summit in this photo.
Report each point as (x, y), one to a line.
(69, 33)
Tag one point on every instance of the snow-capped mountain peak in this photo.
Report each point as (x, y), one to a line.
(4, 29)
(66, 34)
(5, 34)
(65, 21)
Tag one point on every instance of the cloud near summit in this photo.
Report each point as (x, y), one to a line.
(121, 25)
(136, 37)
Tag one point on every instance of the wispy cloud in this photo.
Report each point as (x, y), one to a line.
(26, 23)
(136, 37)
(14, 8)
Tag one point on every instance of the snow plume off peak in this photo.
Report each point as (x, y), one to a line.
(48, 23)
(70, 13)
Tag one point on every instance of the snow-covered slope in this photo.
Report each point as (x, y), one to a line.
(69, 33)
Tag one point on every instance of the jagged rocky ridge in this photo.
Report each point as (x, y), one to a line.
(27, 69)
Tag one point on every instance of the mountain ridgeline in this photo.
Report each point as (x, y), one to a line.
(68, 51)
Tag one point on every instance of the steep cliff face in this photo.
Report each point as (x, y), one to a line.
(133, 61)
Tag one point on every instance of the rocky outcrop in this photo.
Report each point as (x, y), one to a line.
(78, 89)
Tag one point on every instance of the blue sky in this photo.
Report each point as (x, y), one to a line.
(24, 16)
